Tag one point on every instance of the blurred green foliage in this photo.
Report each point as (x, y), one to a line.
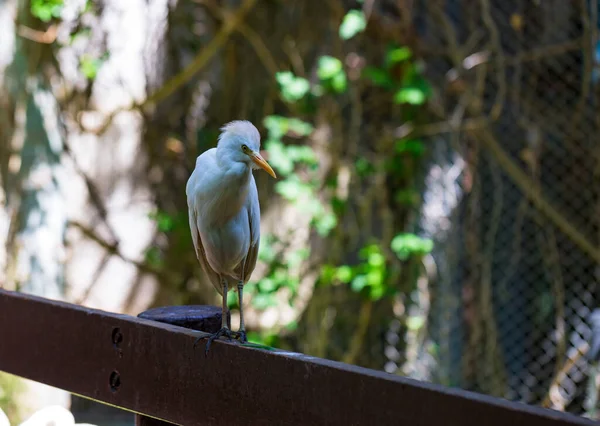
(297, 164)
(288, 160)
(10, 388)
(331, 74)
(407, 245)
(292, 88)
(89, 65)
(354, 22)
(46, 10)
(368, 277)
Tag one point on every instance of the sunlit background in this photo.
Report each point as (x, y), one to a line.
(437, 204)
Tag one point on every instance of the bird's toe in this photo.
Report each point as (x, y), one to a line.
(226, 332)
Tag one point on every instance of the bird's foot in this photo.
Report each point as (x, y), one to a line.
(225, 331)
(241, 336)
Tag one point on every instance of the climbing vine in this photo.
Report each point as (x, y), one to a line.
(291, 154)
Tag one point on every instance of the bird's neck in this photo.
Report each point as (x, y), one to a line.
(233, 191)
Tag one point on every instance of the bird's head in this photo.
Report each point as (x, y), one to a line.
(239, 141)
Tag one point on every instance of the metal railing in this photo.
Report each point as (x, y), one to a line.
(153, 369)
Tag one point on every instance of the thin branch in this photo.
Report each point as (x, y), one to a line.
(44, 37)
(93, 193)
(529, 189)
(113, 248)
(252, 36)
(500, 63)
(203, 57)
(199, 62)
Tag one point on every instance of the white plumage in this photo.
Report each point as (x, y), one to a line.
(224, 211)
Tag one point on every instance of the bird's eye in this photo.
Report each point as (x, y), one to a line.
(245, 148)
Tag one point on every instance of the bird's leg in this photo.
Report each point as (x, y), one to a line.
(242, 332)
(224, 304)
(224, 331)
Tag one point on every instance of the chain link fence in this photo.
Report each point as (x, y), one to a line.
(511, 200)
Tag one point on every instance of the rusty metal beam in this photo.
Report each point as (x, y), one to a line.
(153, 369)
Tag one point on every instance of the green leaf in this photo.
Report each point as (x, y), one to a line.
(408, 197)
(358, 283)
(292, 283)
(301, 128)
(292, 88)
(353, 23)
(45, 10)
(406, 245)
(377, 293)
(280, 276)
(266, 253)
(278, 157)
(328, 272)
(397, 55)
(329, 67)
(338, 205)
(369, 250)
(282, 157)
(339, 83)
(410, 95)
(363, 167)
(292, 189)
(164, 222)
(412, 146)
(376, 260)
(375, 278)
(297, 89)
(413, 80)
(344, 274)
(378, 77)
(324, 224)
(285, 77)
(331, 73)
(89, 66)
(301, 153)
(267, 285)
(276, 126)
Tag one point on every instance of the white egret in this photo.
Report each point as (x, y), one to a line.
(224, 213)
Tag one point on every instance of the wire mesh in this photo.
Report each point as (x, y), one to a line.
(511, 199)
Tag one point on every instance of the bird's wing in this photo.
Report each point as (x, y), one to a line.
(253, 209)
(203, 164)
(212, 276)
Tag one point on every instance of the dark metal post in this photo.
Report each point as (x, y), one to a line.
(196, 317)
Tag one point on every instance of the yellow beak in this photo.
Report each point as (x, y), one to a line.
(260, 162)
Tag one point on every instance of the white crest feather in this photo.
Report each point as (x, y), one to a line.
(241, 128)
